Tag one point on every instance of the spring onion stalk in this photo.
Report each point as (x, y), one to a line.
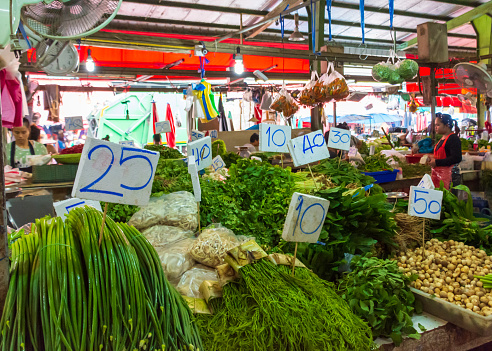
(67, 292)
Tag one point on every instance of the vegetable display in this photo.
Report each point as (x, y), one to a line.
(268, 309)
(77, 149)
(378, 292)
(85, 294)
(452, 271)
(375, 163)
(342, 173)
(164, 151)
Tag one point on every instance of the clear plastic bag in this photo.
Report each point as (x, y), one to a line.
(306, 97)
(211, 246)
(161, 235)
(442, 173)
(177, 209)
(266, 101)
(284, 103)
(176, 258)
(331, 86)
(189, 284)
(467, 163)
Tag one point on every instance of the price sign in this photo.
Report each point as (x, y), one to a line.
(274, 138)
(74, 123)
(163, 127)
(195, 135)
(217, 163)
(305, 218)
(339, 139)
(426, 182)
(202, 150)
(352, 152)
(115, 173)
(308, 148)
(127, 142)
(425, 203)
(63, 207)
(193, 171)
(214, 134)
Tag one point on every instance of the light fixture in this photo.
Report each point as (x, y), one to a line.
(296, 35)
(238, 65)
(90, 65)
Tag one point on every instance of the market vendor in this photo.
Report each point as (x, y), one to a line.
(254, 142)
(18, 150)
(447, 152)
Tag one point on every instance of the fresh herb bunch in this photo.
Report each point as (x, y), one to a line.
(171, 176)
(230, 158)
(363, 149)
(120, 212)
(164, 151)
(354, 224)
(218, 148)
(342, 173)
(465, 144)
(375, 163)
(378, 292)
(414, 170)
(252, 201)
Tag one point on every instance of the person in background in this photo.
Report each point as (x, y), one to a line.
(35, 135)
(447, 152)
(18, 150)
(157, 139)
(254, 142)
(61, 141)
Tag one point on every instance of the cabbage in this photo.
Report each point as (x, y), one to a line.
(394, 78)
(408, 69)
(381, 72)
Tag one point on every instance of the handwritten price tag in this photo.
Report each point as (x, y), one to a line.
(195, 135)
(74, 123)
(274, 138)
(163, 127)
(127, 142)
(339, 139)
(193, 171)
(63, 207)
(352, 152)
(115, 173)
(214, 134)
(425, 203)
(202, 150)
(217, 163)
(305, 218)
(308, 148)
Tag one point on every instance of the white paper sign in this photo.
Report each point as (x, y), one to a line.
(74, 123)
(305, 218)
(426, 182)
(127, 142)
(195, 135)
(217, 163)
(214, 134)
(372, 150)
(193, 171)
(425, 203)
(202, 150)
(339, 139)
(163, 127)
(308, 148)
(352, 152)
(63, 207)
(115, 173)
(274, 138)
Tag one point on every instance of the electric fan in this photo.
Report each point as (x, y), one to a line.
(57, 19)
(469, 75)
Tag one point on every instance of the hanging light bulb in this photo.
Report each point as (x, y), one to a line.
(90, 65)
(239, 65)
(296, 35)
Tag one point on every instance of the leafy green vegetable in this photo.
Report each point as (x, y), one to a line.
(120, 212)
(230, 158)
(408, 69)
(342, 173)
(375, 163)
(218, 148)
(165, 152)
(378, 292)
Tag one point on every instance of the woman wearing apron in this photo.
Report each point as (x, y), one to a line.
(18, 150)
(447, 152)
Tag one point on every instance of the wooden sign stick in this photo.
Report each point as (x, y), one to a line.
(312, 175)
(294, 260)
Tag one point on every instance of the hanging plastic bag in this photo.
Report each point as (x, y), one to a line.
(266, 101)
(248, 96)
(331, 86)
(306, 97)
(408, 69)
(284, 103)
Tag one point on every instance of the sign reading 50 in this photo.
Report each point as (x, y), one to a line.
(115, 173)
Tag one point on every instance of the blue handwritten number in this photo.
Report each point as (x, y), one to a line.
(299, 208)
(439, 207)
(415, 200)
(322, 140)
(123, 160)
(272, 138)
(87, 189)
(304, 149)
(74, 205)
(201, 156)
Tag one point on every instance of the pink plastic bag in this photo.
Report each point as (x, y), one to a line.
(442, 173)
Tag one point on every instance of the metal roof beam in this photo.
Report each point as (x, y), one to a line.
(228, 26)
(213, 8)
(485, 8)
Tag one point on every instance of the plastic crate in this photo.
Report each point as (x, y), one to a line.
(54, 173)
(383, 176)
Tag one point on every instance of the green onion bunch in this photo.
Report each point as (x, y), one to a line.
(69, 290)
